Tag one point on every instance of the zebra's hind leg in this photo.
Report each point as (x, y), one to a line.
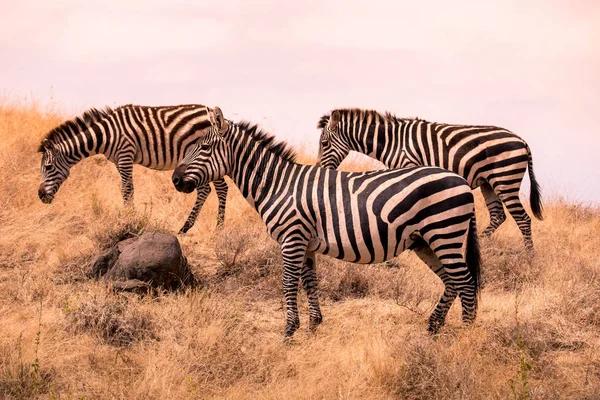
(221, 189)
(495, 208)
(293, 251)
(510, 198)
(125, 168)
(309, 283)
(201, 195)
(438, 317)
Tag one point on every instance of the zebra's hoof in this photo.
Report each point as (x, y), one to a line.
(286, 340)
(529, 250)
(292, 327)
(434, 328)
(314, 322)
(183, 230)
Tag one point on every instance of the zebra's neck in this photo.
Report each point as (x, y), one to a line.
(100, 137)
(373, 134)
(258, 167)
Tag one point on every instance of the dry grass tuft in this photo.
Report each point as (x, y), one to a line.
(111, 318)
(21, 379)
(536, 335)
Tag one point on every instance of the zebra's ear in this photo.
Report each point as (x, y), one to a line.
(220, 122)
(334, 120)
(47, 145)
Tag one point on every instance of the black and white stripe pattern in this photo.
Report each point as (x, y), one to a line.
(359, 217)
(155, 137)
(489, 157)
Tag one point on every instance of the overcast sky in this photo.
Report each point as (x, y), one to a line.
(530, 66)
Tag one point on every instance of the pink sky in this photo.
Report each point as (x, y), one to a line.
(530, 66)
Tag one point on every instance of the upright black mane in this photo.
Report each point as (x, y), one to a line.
(77, 124)
(362, 114)
(279, 148)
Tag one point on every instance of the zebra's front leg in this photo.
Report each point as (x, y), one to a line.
(310, 284)
(221, 189)
(293, 251)
(201, 195)
(125, 168)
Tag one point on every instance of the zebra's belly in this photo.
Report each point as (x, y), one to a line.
(160, 166)
(361, 251)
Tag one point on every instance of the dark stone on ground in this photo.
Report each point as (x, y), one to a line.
(153, 260)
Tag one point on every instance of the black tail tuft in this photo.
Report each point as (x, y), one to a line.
(535, 195)
(473, 257)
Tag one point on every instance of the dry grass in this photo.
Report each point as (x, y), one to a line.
(65, 336)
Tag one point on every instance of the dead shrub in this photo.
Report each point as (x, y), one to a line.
(506, 268)
(124, 224)
(249, 261)
(408, 295)
(430, 373)
(578, 213)
(74, 270)
(112, 319)
(21, 379)
(354, 283)
(580, 297)
(535, 337)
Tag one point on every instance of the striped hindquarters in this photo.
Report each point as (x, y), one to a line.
(370, 217)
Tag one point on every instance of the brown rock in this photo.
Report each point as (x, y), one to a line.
(153, 259)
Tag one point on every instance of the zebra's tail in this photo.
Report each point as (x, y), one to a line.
(473, 257)
(535, 195)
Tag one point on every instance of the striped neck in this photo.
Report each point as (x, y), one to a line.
(99, 137)
(258, 164)
(370, 132)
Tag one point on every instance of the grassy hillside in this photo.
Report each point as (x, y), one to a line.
(65, 336)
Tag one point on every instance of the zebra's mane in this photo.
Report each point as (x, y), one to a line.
(77, 124)
(267, 140)
(363, 114)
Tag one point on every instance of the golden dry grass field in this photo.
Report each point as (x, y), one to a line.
(66, 336)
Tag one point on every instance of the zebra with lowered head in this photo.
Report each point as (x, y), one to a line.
(489, 157)
(359, 217)
(155, 137)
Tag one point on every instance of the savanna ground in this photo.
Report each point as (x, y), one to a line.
(66, 336)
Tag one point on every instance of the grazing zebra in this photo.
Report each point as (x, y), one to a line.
(359, 217)
(155, 137)
(489, 157)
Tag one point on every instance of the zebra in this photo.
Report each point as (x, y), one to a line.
(488, 157)
(155, 137)
(359, 217)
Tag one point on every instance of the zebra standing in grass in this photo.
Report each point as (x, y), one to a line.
(489, 157)
(155, 137)
(359, 217)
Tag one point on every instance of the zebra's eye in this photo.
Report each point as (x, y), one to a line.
(324, 142)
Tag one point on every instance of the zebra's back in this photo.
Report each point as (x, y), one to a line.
(162, 135)
(471, 151)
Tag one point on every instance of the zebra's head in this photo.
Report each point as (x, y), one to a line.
(333, 148)
(208, 160)
(54, 170)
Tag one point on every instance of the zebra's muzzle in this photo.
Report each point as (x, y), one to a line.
(180, 182)
(185, 186)
(46, 198)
